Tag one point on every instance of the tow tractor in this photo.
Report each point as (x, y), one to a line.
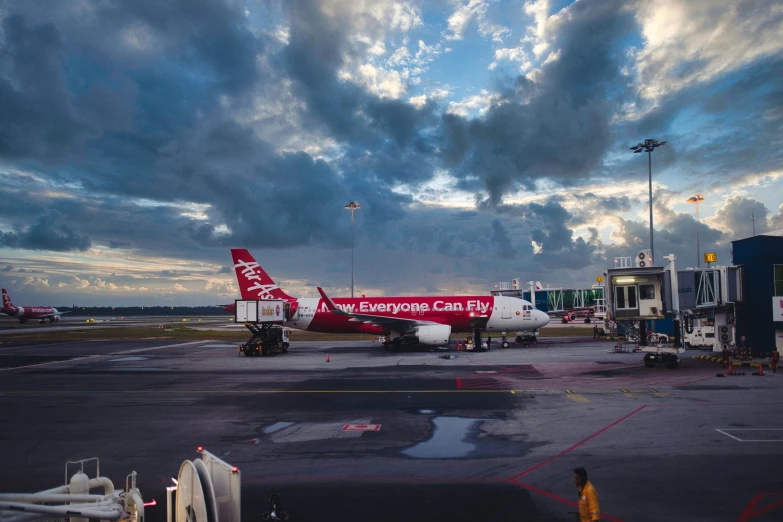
(525, 338)
(264, 318)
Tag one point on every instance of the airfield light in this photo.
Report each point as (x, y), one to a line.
(648, 146)
(697, 199)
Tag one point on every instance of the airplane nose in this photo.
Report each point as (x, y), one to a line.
(542, 318)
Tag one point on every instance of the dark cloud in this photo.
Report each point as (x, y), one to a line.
(47, 233)
(8, 268)
(556, 127)
(748, 97)
(36, 118)
(737, 217)
(501, 240)
(119, 244)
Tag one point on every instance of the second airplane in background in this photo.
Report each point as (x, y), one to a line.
(425, 320)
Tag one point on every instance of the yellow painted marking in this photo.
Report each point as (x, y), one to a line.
(630, 394)
(576, 397)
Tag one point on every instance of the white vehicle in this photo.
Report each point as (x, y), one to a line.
(701, 336)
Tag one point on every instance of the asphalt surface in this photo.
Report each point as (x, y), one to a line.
(481, 436)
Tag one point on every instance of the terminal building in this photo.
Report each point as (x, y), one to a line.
(760, 315)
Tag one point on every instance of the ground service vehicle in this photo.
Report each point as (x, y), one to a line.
(266, 340)
(578, 314)
(264, 318)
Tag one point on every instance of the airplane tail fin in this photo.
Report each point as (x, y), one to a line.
(6, 300)
(254, 283)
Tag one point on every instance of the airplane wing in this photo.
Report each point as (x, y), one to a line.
(397, 324)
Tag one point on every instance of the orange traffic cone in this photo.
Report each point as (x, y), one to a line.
(731, 370)
(327, 357)
(761, 369)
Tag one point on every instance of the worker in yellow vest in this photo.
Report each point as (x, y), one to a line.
(588, 498)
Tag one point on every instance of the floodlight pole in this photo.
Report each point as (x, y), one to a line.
(649, 174)
(697, 199)
(353, 205)
(648, 146)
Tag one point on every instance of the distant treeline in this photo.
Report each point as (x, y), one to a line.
(147, 310)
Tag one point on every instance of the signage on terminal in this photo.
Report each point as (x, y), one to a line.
(777, 308)
(710, 257)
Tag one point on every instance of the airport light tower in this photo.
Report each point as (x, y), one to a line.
(697, 199)
(353, 206)
(648, 147)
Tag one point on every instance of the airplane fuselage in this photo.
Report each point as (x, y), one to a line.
(25, 313)
(461, 313)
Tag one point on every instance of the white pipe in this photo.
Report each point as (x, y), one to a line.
(114, 513)
(108, 487)
(50, 497)
(61, 489)
(21, 518)
(139, 505)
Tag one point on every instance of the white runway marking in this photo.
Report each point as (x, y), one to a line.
(778, 435)
(112, 354)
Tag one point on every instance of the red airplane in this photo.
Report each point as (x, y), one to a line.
(25, 313)
(424, 320)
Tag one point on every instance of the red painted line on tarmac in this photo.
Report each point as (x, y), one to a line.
(571, 503)
(750, 512)
(459, 383)
(583, 441)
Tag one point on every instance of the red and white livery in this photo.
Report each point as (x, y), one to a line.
(25, 313)
(423, 319)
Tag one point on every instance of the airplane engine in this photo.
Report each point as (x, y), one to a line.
(436, 334)
(56, 318)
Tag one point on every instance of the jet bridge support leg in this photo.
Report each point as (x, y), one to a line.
(477, 339)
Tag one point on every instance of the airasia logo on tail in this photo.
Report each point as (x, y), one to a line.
(251, 272)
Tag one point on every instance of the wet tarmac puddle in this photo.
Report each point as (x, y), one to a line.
(460, 437)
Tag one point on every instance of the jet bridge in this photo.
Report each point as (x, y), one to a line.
(707, 295)
(645, 293)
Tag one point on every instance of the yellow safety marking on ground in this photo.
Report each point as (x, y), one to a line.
(629, 393)
(656, 393)
(575, 396)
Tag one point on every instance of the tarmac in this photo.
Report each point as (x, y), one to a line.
(472, 436)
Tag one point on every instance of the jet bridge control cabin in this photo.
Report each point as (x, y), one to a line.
(636, 294)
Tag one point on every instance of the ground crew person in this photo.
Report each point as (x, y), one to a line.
(588, 498)
(773, 361)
